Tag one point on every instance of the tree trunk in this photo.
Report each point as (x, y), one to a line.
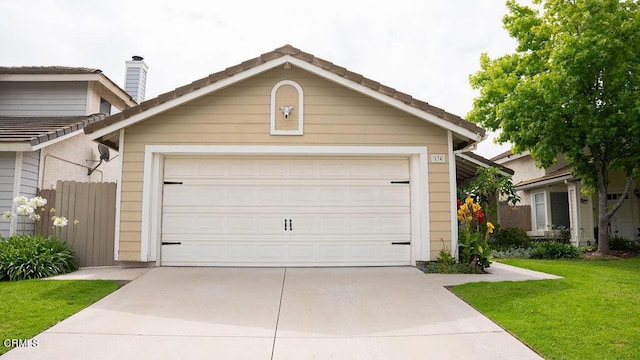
(603, 221)
(604, 216)
(600, 162)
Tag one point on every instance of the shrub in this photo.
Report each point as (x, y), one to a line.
(554, 250)
(622, 244)
(34, 257)
(524, 253)
(437, 267)
(509, 238)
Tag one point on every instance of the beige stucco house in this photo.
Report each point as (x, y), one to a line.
(557, 201)
(285, 159)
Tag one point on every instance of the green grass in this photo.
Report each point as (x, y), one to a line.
(593, 313)
(29, 307)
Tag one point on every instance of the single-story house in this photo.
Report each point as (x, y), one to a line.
(42, 113)
(557, 202)
(285, 159)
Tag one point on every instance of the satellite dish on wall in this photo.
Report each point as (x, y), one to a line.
(104, 152)
(104, 156)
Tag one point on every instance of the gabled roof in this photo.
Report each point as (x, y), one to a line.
(32, 133)
(109, 89)
(554, 177)
(469, 132)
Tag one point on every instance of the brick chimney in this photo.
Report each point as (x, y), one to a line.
(135, 80)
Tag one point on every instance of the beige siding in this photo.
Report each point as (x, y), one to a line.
(240, 114)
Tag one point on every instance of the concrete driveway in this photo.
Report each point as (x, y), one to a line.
(276, 313)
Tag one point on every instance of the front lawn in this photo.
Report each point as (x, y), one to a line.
(29, 307)
(593, 313)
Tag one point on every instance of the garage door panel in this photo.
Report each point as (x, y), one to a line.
(260, 196)
(299, 254)
(286, 211)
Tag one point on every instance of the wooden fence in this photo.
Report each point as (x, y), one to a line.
(515, 216)
(93, 205)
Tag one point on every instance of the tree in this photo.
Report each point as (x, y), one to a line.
(572, 87)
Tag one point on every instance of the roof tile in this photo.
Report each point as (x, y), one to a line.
(270, 56)
(338, 70)
(327, 65)
(232, 70)
(353, 76)
(370, 83)
(405, 98)
(184, 90)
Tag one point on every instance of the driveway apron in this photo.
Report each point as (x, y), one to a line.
(277, 313)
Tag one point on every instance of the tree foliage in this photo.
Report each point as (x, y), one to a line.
(572, 87)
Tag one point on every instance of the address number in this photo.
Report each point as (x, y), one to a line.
(438, 158)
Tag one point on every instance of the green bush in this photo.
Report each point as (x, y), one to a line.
(622, 244)
(34, 257)
(523, 253)
(437, 267)
(509, 238)
(554, 250)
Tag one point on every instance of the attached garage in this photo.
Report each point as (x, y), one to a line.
(285, 160)
(286, 210)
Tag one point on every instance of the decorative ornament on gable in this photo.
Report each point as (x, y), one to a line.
(287, 104)
(286, 110)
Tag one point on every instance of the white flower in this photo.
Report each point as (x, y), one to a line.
(8, 215)
(24, 210)
(37, 202)
(76, 222)
(21, 200)
(34, 217)
(60, 221)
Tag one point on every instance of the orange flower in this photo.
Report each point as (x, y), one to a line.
(476, 207)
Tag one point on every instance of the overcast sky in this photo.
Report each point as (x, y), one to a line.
(426, 48)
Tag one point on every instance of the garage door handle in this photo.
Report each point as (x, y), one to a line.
(400, 182)
(173, 182)
(171, 243)
(289, 226)
(401, 243)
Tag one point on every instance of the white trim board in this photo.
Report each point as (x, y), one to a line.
(153, 181)
(223, 83)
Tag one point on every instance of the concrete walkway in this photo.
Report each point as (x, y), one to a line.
(276, 313)
(495, 273)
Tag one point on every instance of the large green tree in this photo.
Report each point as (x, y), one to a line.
(572, 87)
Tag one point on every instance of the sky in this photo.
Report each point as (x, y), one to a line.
(426, 48)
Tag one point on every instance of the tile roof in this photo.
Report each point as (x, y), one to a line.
(47, 70)
(559, 174)
(38, 130)
(298, 54)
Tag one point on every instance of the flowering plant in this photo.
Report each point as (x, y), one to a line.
(29, 208)
(474, 234)
(26, 208)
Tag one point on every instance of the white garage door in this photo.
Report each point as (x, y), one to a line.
(294, 211)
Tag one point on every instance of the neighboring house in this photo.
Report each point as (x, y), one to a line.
(285, 159)
(557, 202)
(42, 113)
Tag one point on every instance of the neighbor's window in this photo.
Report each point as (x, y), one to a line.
(540, 211)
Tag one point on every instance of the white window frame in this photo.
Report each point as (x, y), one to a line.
(535, 210)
